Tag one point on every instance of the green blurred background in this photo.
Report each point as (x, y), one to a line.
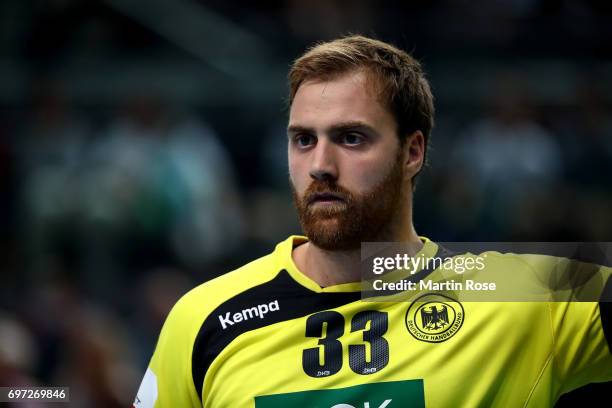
(143, 151)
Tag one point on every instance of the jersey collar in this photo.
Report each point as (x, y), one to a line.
(283, 253)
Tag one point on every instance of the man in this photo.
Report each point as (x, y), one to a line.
(290, 330)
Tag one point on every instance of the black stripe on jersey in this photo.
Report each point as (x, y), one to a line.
(605, 311)
(294, 301)
(587, 252)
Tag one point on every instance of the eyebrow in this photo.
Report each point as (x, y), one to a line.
(335, 129)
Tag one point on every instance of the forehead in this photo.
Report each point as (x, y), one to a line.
(351, 97)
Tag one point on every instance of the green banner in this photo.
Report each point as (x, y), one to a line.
(392, 394)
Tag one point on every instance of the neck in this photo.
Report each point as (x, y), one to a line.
(328, 268)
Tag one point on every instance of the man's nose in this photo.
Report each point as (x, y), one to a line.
(323, 165)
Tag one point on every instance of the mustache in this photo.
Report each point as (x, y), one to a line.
(319, 188)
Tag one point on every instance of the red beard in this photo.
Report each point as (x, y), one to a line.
(355, 218)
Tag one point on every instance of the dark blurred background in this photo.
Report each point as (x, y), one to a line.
(143, 151)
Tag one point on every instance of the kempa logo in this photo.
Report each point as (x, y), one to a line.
(256, 311)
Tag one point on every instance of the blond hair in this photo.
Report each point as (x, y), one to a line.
(398, 77)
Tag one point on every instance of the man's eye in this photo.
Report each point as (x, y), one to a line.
(304, 140)
(352, 139)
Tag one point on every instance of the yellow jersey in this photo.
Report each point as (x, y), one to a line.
(266, 335)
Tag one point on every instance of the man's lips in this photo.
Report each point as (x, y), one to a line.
(325, 198)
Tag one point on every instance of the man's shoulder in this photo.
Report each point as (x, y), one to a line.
(193, 307)
(237, 281)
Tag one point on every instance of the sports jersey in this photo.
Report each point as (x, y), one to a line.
(266, 335)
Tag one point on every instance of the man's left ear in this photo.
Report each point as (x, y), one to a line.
(414, 152)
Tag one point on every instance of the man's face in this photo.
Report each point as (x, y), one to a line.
(345, 162)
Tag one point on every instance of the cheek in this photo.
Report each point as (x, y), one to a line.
(296, 175)
(362, 176)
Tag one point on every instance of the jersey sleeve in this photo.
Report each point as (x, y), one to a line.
(582, 333)
(168, 381)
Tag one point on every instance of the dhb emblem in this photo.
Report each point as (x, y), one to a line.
(434, 318)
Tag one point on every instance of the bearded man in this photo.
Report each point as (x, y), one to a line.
(291, 330)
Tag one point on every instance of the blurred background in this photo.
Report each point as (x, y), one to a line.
(143, 151)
